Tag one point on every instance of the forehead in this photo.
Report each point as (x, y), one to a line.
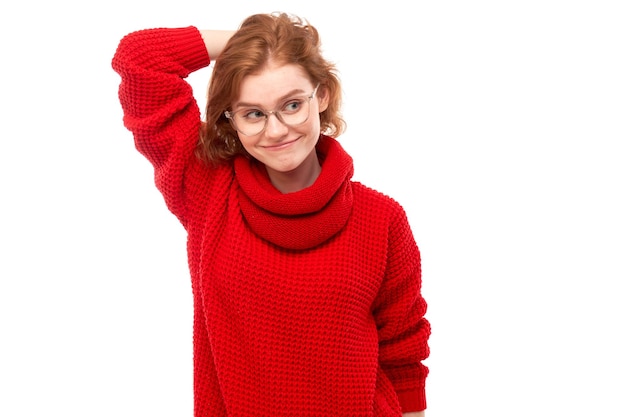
(272, 83)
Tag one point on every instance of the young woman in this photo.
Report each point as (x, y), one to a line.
(306, 283)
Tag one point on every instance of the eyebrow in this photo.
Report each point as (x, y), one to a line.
(282, 98)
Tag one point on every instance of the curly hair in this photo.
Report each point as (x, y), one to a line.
(282, 38)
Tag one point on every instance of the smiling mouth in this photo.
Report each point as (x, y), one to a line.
(281, 145)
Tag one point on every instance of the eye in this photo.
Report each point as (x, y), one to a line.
(293, 106)
(252, 115)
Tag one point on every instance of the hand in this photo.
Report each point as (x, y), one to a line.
(215, 41)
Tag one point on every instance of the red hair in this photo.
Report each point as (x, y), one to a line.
(283, 38)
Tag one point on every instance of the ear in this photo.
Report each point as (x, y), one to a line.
(323, 97)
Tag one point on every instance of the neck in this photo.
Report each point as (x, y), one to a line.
(298, 179)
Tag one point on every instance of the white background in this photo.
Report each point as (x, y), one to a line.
(498, 125)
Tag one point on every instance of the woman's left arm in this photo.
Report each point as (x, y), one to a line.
(399, 312)
(414, 414)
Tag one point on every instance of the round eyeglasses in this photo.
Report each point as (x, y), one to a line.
(251, 121)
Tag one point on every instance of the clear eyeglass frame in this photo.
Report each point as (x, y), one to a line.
(266, 114)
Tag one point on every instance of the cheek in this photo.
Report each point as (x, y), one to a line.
(247, 142)
(314, 126)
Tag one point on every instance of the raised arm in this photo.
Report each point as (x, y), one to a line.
(159, 106)
(215, 40)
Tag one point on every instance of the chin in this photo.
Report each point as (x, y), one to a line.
(285, 168)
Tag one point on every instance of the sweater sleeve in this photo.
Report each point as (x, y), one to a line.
(158, 104)
(399, 312)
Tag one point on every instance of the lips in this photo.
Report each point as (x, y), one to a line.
(281, 145)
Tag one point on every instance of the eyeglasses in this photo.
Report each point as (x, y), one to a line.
(252, 121)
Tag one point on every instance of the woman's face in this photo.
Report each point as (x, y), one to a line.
(282, 148)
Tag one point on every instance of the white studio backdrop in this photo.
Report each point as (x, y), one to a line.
(499, 126)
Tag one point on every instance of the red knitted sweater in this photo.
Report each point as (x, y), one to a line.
(306, 304)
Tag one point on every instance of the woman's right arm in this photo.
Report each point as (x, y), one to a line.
(158, 104)
(215, 41)
(153, 64)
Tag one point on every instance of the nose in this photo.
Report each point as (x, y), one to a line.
(275, 127)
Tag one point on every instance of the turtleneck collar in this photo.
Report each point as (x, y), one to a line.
(303, 219)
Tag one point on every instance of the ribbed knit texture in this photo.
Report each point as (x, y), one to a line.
(305, 304)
